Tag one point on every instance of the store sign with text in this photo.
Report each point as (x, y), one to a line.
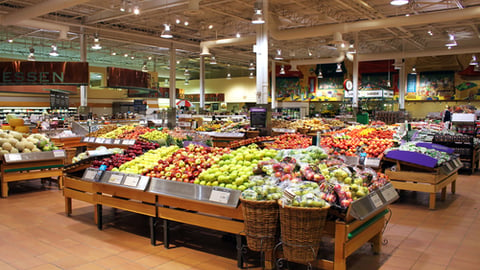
(43, 73)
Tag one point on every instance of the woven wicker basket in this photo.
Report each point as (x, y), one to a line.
(301, 232)
(261, 224)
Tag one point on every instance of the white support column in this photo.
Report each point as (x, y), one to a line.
(202, 82)
(355, 76)
(262, 59)
(173, 81)
(83, 58)
(402, 88)
(274, 86)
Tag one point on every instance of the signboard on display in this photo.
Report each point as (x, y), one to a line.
(258, 117)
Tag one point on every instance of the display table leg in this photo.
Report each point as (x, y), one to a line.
(99, 217)
(166, 237)
(239, 250)
(68, 206)
(153, 233)
(443, 195)
(95, 214)
(453, 186)
(339, 261)
(4, 189)
(377, 243)
(431, 204)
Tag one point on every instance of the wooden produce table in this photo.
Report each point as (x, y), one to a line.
(78, 189)
(417, 178)
(69, 142)
(29, 166)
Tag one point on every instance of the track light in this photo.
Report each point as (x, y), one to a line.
(54, 51)
(398, 2)
(167, 33)
(213, 61)
(282, 70)
(96, 42)
(31, 55)
(144, 67)
(474, 61)
(278, 56)
(451, 42)
(339, 68)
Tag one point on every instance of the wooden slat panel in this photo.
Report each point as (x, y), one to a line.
(355, 243)
(123, 192)
(78, 184)
(26, 165)
(414, 176)
(203, 207)
(17, 176)
(413, 187)
(78, 195)
(131, 206)
(214, 223)
(445, 182)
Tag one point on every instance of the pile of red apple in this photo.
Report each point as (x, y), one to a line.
(290, 141)
(372, 141)
(187, 163)
(287, 170)
(130, 153)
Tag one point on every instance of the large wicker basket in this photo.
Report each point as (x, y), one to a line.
(261, 224)
(301, 232)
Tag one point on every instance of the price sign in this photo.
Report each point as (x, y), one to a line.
(126, 142)
(115, 179)
(375, 199)
(116, 141)
(58, 153)
(219, 196)
(131, 181)
(100, 140)
(389, 193)
(85, 139)
(90, 175)
(449, 166)
(288, 196)
(14, 157)
(92, 139)
(372, 162)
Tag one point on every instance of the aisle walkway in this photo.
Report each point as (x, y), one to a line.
(36, 234)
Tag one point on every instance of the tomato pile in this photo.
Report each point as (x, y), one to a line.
(290, 141)
(351, 142)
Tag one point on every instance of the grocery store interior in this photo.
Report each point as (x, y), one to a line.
(239, 134)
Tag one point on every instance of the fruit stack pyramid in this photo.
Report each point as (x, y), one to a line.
(14, 142)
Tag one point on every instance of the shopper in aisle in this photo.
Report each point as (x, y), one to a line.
(447, 116)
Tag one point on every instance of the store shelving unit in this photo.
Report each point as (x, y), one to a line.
(24, 112)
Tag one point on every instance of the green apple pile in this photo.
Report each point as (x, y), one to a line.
(143, 163)
(262, 188)
(156, 135)
(234, 169)
(307, 194)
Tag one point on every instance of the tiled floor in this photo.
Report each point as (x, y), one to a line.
(36, 234)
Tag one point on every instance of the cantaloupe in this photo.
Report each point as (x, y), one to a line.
(15, 122)
(7, 127)
(7, 146)
(14, 151)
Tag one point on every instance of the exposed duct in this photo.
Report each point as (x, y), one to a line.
(412, 54)
(330, 60)
(324, 30)
(47, 26)
(206, 45)
(38, 10)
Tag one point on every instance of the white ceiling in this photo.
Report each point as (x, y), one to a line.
(302, 29)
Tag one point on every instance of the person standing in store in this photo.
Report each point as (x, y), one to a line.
(447, 117)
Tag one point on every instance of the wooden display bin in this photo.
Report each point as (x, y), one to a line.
(30, 170)
(224, 141)
(78, 189)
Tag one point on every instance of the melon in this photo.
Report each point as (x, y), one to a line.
(7, 146)
(14, 122)
(4, 152)
(20, 146)
(35, 149)
(26, 150)
(14, 151)
(5, 127)
(29, 145)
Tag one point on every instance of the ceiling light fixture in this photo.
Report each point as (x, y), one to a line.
(229, 76)
(31, 55)
(210, 26)
(398, 2)
(126, 55)
(258, 17)
(96, 42)
(451, 42)
(310, 52)
(123, 6)
(278, 56)
(251, 76)
(186, 23)
(388, 79)
(149, 58)
(251, 66)
(136, 10)
(414, 70)
(132, 57)
(238, 35)
(186, 82)
(320, 74)
(474, 61)
(10, 40)
(114, 53)
(282, 70)
(476, 68)
(165, 82)
(339, 68)
(54, 51)
(213, 61)
(167, 33)
(177, 21)
(187, 72)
